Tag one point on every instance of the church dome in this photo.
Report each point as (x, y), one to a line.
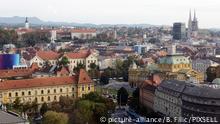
(174, 59)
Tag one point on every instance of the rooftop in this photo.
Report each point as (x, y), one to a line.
(48, 55)
(174, 59)
(81, 78)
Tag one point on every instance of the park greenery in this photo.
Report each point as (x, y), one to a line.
(89, 108)
(25, 40)
(122, 96)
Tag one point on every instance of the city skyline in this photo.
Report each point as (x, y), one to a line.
(157, 12)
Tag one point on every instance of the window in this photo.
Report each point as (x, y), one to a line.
(82, 88)
(29, 92)
(61, 90)
(42, 91)
(16, 94)
(42, 99)
(22, 93)
(89, 87)
(48, 98)
(55, 97)
(48, 91)
(54, 90)
(73, 89)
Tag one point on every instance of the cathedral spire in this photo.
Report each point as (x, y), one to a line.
(189, 25)
(190, 17)
(190, 20)
(195, 19)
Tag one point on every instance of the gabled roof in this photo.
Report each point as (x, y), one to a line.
(83, 77)
(78, 55)
(63, 71)
(37, 82)
(48, 55)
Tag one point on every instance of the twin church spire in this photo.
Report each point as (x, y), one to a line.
(192, 25)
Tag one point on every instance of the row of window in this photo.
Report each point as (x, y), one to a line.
(92, 61)
(48, 91)
(42, 92)
(74, 61)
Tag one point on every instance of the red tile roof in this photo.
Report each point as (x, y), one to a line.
(15, 73)
(36, 82)
(63, 71)
(83, 31)
(48, 55)
(77, 55)
(84, 77)
(81, 78)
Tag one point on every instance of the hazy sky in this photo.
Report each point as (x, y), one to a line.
(116, 11)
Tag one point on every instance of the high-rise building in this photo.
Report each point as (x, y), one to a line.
(179, 31)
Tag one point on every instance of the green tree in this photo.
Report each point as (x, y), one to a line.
(85, 112)
(119, 68)
(126, 65)
(93, 71)
(93, 96)
(122, 96)
(134, 103)
(78, 67)
(64, 61)
(34, 106)
(104, 79)
(110, 105)
(17, 104)
(211, 74)
(55, 106)
(27, 106)
(52, 117)
(100, 110)
(8, 36)
(66, 102)
(44, 108)
(109, 72)
(32, 38)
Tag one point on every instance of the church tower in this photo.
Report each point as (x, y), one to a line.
(26, 23)
(192, 26)
(195, 23)
(189, 31)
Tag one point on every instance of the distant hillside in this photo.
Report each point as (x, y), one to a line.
(16, 20)
(19, 20)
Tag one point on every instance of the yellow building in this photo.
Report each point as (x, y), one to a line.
(46, 89)
(176, 67)
(179, 67)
